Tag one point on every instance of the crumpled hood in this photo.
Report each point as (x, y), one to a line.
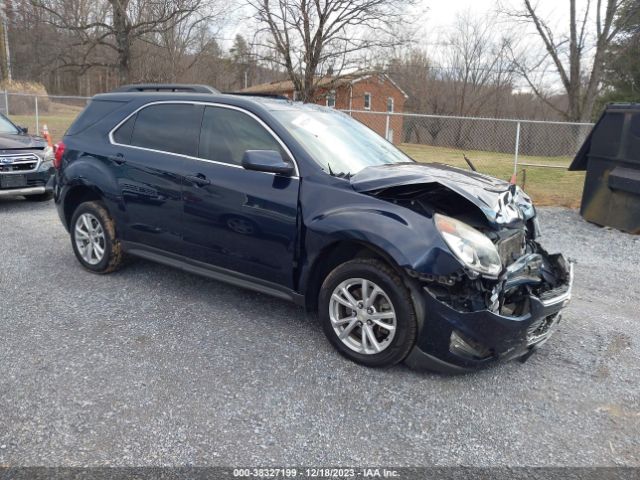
(13, 141)
(500, 202)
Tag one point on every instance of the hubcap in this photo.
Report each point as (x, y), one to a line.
(90, 240)
(362, 316)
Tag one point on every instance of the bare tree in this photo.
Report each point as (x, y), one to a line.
(168, 56)
(578, 58)
(311, 38)
(116, 24)
(475, 65)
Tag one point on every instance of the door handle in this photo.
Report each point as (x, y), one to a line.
(118, 159)
(199, 180)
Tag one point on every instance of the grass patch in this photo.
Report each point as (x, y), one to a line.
(547, 186)
(58, 119)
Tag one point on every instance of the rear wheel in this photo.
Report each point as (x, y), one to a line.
(367, 313)
(94, 239)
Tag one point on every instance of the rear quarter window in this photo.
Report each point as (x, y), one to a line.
(123, 134)
(95, 111)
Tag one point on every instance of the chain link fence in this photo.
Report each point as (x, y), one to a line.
(537, 152)
(35, 111)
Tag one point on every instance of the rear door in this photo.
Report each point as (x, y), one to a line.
(234, 218)
(152, 146)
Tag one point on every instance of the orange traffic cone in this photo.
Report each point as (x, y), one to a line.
(46, 136)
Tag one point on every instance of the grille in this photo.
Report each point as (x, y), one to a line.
(556, 292)
(511, 248)
(22, 163)
(541, 329)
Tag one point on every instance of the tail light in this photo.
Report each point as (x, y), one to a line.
(58, 152)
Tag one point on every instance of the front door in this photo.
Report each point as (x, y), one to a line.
(149, 157)
(234, 218)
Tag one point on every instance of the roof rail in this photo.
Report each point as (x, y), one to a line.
(277, 96)
(166, 87)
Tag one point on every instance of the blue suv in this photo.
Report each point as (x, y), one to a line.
(423, 263)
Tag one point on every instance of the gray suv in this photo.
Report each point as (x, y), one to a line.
(26, 163)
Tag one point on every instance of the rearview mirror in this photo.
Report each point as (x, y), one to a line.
(266, 161)
(23, 130)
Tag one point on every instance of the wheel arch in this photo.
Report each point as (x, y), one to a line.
(77, 195)
(335, 254)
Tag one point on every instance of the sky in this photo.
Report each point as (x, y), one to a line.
(442, 13)
(439, 14)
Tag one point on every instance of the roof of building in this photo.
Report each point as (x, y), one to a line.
(333, 81)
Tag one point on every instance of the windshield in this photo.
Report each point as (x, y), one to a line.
(6, 126)
(341, 145)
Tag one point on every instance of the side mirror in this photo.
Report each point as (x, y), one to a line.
(23, 130)
(266, 161)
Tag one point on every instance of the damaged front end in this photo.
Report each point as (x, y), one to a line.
(508, 292)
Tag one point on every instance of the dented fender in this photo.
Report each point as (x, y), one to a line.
(410, 239)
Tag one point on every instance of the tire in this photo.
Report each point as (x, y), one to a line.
(104, 235)
(394, 301)
(42, 197)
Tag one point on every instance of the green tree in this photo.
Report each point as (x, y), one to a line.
(622, 68)
(242, 60)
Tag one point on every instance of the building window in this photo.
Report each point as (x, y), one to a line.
(367, 101)
(390, 105)
(331, 99)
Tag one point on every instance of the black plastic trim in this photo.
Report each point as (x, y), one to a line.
(419, 360)
(211, 271)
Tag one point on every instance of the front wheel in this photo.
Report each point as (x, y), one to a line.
(367, 313)
(94, 239)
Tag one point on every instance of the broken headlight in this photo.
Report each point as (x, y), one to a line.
(471, 247)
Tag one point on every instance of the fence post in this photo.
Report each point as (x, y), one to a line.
(37, 117)
(515, 160)
(6, 103)
(386, 129)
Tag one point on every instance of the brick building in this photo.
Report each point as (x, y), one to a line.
(359, 94)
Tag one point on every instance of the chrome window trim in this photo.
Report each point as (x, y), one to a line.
(30, 155)
(210, 104)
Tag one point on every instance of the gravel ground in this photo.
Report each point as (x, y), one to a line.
(152, 366)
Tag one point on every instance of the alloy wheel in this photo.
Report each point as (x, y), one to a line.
(362, 316)
(90, 239)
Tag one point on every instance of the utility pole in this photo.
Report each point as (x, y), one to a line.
(5, 53)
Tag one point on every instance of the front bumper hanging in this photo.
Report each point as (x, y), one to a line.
(456, 341)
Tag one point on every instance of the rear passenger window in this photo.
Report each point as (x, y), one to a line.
(168, 127)
(226, 134)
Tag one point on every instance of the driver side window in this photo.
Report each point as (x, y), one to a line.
(226, 134)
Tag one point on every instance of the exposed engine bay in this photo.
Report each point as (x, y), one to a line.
(504, 214)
